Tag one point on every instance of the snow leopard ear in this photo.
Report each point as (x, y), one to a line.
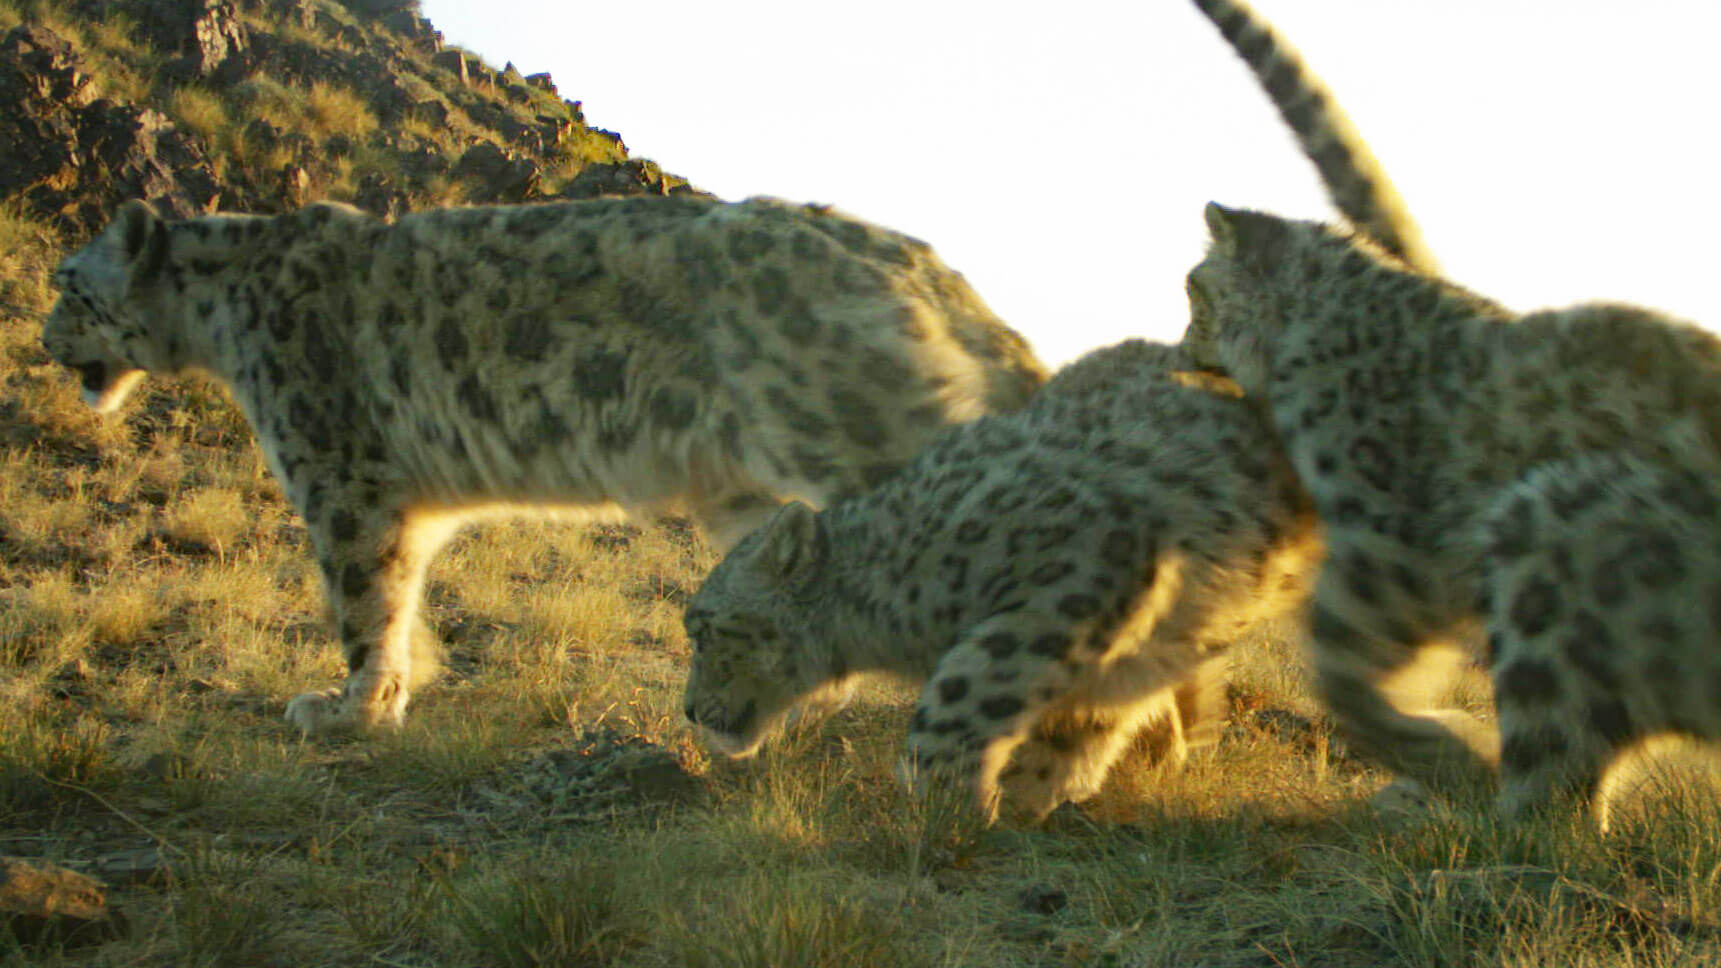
(1255, 239)
(794, 545)
(140, 237)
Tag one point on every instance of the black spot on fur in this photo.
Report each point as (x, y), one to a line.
(1668, 676)
(1058, 498)
(1590, 647)
(600, 375)
(1077, 607)
(771, 287)
(858, 417)
(1051, 572)
(1529, 681)
(953, 689)
(1119, 547)
(281, 324)
(1536, 607)
(400, 374)
(478, 400)
(1001, 707)
(344, 525)
(1523, 751)
(1051, 645)
(1654, 559)
(1607, 586)
(357, 654)
(746, 246)
(799, 418)
(954, 569)
(1336, 634)
(1611, 721)
(451, 345)
(528, 338)
(1568, 499)
(1000, 645)
(355, 579)
(1359, 573)
(972, 532)
(1514, 530)
(1692, 494)
(673, 409)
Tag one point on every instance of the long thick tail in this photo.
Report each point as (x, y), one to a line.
(1353, 177)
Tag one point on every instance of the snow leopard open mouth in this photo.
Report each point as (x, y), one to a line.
(729, 734)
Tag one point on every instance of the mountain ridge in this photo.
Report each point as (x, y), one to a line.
(264, 105)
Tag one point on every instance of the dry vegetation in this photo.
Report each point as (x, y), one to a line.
(546, 805)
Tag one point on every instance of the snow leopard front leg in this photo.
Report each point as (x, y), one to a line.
(373, 563)
(1385, 656)
(1071, 752)
(990, 690)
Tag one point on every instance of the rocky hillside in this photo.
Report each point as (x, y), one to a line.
(262, 105)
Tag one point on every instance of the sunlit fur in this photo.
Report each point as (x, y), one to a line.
(1061, 579)
(406, 377)
(1548, 477)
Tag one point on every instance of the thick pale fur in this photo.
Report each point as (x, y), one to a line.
(1549, 476)
(404, 378)
(1353, 177)
(1059, 578)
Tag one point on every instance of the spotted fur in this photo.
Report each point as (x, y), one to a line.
(1058, 578)
(1549, 476)
(1353, 177)
(403, 378)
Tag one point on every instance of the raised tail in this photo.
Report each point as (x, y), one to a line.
(1353, 177)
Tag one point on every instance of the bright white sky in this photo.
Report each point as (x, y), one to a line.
(1058, 154)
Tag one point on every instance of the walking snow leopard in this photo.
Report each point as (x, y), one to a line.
(1548, 477)
(405, 378)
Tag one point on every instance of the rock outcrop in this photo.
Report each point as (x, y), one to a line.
(78, 142)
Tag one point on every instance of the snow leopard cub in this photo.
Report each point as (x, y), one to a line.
(1053, 576)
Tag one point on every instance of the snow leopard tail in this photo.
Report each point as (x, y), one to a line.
(1354, 178)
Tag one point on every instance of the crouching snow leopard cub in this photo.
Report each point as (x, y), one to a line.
(1054, 576)
(1553, 475)
(403, 378)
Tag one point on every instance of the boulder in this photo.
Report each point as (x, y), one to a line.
(41, 88)
(453, 61)
(294, 182)
(378, 195)
(500, 176)
(72, 155)
(635, 176)
(208, 35)
(138, 153)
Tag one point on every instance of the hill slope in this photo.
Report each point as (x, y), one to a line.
(546, 804)
(261, 105)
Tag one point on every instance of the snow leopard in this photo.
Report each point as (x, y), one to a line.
(1058, 578)
(406, 377)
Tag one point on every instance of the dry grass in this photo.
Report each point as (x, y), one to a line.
(201, 111)
(337, 110)
(546, 806)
